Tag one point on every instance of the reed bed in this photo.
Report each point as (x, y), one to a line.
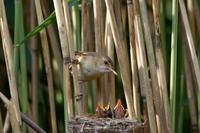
(154, 46)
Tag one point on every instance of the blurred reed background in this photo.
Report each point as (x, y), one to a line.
(154, 45)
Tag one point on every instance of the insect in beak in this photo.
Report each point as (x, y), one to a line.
(110, 69)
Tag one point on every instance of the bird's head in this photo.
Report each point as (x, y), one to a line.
(105, 64)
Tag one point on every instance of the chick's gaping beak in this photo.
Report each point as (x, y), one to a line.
(110, 69)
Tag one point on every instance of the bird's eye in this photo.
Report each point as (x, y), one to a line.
(106, 62)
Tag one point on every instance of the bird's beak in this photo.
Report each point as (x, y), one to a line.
(113, 71)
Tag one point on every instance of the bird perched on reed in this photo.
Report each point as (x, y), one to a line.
(92, 65)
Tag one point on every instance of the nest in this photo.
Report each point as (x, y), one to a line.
(104, 125)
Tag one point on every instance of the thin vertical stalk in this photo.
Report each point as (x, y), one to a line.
(92, 48)
(72, 56)
(55, 48)
(173, 67)
(8, 54)
(77, 45)
(191, 17)
(197, 22)
(76, 27)
(18, 36)
(181, 109)
(190, 90)
(163, 32)
(53, 39)
(34, 71)
(123, 15)
(111, 53)
(161, 73)
(122, 56)
(146, 120)
(134, 70)
(197, 15)
(85, 31)
(99, 44)
(16, 49)
(6, 125)
(180, 84)
(68, 105)
(159, 104)
(121, 23)
(190, 43)
(99, 26)
(48, 68)
(142, 67)
(192, 53)
(85, 39)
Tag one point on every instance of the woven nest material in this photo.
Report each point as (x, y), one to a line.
(104, 125)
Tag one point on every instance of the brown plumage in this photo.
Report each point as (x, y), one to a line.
(92, 65)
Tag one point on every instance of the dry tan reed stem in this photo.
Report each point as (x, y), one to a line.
(72, 56)
(53, 40)
(6, 124)
(85, 32)
(84, 87)
(111, 53)
(48, 68)
(197, 15)
(99, 44)
(121, 21)
(134, 70)
(142, 67)
(85, 39)
(99, 26)
(145, 115)
(8, 54)
(120, 16)
(122, 55)
(158, 101)
(12, 115)
(65, 53)
(92, 48)
(123, 14)
(160, 63)
(191, 16)
(56, 49)
(190, 89)
(190, 43)
(35, 71)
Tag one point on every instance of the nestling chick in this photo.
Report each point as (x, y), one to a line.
(108, 111)
(104, 112)
(100, 111)
(119, 111)
(92, 65)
